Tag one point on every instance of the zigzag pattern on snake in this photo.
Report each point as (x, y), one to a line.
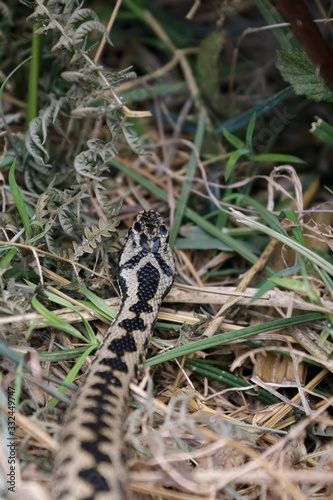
(90, 464)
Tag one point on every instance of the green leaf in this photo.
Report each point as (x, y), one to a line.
(190, 176)
(243, 119)
(290, 284)
(208, 66)
(273, 157)
(267, 285)
(233, 160)
(234, 141)
(2, 88)
(290, 214)
(54, 321)
(266, 215)
(8, 257)
(225, 338)
(72, 374)
(297, 69)
(201, 367)
(18, 199)
(249, 132)
(305, 252)
(101, 307)
(210, 228)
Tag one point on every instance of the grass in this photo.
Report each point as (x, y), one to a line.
(237, 402)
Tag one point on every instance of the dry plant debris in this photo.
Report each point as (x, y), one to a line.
(182, 107)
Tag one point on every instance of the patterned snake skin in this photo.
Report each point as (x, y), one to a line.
(90, 464)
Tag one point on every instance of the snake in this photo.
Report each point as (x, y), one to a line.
(90, 463)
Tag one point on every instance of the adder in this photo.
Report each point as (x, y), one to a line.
(90, 463)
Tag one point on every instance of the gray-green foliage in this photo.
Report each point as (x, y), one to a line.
(12, 299)
(60, 161)
(91, 92)
(89, 95)
(5, 21)
(296, 68)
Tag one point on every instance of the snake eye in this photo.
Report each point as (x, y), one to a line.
(163, 230)
(137, 227)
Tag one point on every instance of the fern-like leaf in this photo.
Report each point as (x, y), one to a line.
(84, 29)
(68, 221)
(41, 210)
(6, 13)
(33, 142)
(49, 240)
(89, 242)
(12, 300)
(102, 196)
(77, 18)
(50, 114)
(132, 140)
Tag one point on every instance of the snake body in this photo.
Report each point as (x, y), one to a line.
(90, 464)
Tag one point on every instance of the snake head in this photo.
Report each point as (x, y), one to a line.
(148, 234)
(149, 231)
(147, 242)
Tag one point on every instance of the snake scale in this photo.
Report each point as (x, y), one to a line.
(90, 463)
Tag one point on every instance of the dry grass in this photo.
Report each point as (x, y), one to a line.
(243, 408)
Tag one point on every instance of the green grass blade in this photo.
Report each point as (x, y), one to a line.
(186, 189)
(8, 257)
(206, 370)
(326, 278)
(18, 199)
(56, 322)
(100, 306)
(249, 132)
(243, 119)
(17, 360)
(289, 284)
(266, 215)
(63, 354)
(61, 301)
(278, 158)
(290, 214)
(32, 101)
(232, 243)
(322, 130)
(297, 231)
(273, 16)
(72, 374)
(233, 159)
(225, 338)
(234, 140)
(2, 88)
(309, 254)
(268, 285)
